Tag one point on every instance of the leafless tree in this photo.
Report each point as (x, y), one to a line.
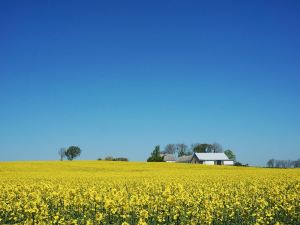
(216, 148)
(170, 149)
(271, 163)
(297, 163)
(182, 149)
(62, 153)
(281, 163)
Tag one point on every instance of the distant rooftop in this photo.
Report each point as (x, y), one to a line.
(185, 158)
(169, 157)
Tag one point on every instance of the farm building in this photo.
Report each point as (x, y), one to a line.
(169, 157)
(211, 159)
(184, 159)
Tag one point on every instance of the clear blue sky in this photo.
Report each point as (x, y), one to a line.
(119, 77)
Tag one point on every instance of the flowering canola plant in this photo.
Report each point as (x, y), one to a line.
(96, 192)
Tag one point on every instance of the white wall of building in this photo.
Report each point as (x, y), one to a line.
(209, 162)
(228, 163)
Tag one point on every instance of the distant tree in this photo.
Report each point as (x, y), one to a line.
(181, 149)
(297, 163)
(271, 163)
(288, 163)
(279, 164)
(284, 163)
(209, 148)
(215, 147)
(156, 155)
(72, 152)
(201, 148)
(238, 164)
(170, 149)
(230, 155)
(109, 158)
(99, 159)
(62, 153)
(120, 159)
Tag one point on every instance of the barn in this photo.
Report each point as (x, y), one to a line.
(211, 159)
(168, 157)
(184, 159)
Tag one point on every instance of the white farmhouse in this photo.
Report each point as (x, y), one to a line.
(211, 159)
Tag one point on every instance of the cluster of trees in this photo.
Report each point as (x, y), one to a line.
(70, 153)
(207, 148)
(274, 163)
(183, 150)
(110, 158)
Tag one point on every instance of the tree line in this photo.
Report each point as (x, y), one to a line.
(275, 163)
(182, 149)
(74, 151)
(157, 155)
(110, 158)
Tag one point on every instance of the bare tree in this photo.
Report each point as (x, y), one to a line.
(278, 163)
(283, 163)
(182, 149)
(271, 163)
(275, 163)
(170, 149)
(216, 148)
(62, 153)
(297, 163)
(289, 163)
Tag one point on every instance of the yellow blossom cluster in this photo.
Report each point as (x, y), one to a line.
(93, 192)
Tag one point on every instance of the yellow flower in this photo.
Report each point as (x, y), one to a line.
(99, 216)
(90, 192)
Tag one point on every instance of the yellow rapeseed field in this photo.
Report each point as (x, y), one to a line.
(96, 192)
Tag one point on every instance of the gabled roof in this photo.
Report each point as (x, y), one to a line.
(211, 156)
(169, 157)
(185, 158)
